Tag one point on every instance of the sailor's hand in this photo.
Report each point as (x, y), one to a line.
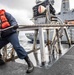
(15, 26)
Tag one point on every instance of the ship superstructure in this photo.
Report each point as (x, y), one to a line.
(66, 13)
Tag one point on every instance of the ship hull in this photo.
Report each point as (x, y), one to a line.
(63, 38)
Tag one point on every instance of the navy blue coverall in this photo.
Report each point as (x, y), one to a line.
(13, 38)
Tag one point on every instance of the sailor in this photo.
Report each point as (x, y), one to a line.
(10, 36)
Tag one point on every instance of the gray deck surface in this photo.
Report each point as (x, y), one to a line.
(64, 66)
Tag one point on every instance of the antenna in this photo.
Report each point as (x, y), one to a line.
(52, 2)
(38, 1)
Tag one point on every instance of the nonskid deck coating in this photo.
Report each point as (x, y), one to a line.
(63, 66)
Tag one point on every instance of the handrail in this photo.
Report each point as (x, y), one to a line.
(47, 25)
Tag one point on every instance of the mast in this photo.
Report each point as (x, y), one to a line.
(65, 6)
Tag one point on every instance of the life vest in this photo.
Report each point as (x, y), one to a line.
(4, 22)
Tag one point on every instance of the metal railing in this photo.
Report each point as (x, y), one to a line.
(11, 54)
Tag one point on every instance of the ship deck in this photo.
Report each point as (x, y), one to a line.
(63, 66)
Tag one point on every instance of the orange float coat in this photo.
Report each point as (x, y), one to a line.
(4, 22)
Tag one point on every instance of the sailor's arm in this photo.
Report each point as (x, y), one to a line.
(11, 20)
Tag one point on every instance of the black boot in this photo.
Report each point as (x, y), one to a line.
(1, 60)
(30, 65)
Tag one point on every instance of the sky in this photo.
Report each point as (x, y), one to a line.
(22, 9)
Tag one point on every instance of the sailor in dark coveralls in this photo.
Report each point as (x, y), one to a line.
(11, 36)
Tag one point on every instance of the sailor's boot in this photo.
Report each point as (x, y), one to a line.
(30, 65)
(1, 60)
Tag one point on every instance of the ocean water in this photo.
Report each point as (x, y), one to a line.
(27, 45)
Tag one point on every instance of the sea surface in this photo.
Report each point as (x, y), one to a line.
(26, 43)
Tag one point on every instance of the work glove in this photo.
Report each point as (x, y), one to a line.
(15, 26)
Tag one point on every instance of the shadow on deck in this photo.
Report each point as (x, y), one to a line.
(64, 66)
